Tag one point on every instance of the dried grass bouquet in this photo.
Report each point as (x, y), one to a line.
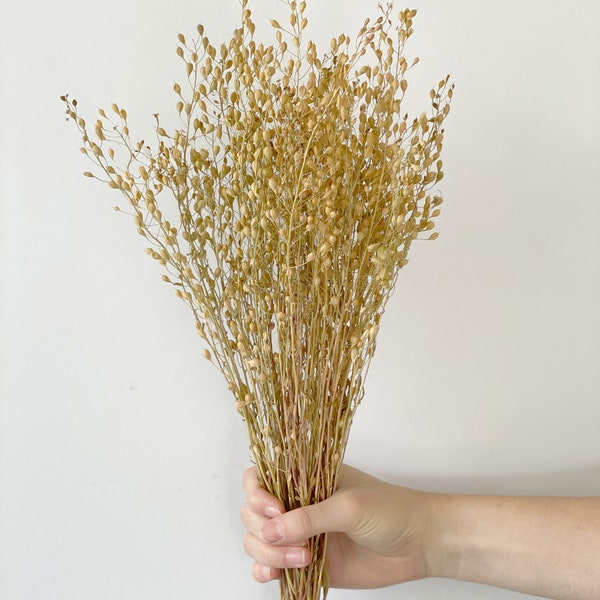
(282, 210)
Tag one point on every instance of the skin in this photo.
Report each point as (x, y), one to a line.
(381, 534)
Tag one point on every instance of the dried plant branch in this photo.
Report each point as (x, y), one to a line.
(282, 210)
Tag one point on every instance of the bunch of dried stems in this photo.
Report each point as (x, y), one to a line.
(295, 187)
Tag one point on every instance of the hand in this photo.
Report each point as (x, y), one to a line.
(377, 532)
(381, 534)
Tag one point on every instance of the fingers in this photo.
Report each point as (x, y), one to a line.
(263, 515)
(276, 539)
(259, 500)
(256, 514)
(297, 526)
(279, 557)
(263, 573)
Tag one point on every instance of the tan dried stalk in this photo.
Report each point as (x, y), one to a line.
(282, 210)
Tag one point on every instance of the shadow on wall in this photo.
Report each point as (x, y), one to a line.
(575, 482)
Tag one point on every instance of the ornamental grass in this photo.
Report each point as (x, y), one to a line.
(282, 210)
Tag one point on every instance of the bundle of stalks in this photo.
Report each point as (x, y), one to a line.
(282, 210)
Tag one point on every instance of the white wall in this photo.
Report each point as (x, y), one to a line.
(120, 450)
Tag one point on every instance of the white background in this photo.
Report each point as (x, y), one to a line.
(120, 449)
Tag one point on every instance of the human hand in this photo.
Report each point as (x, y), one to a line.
(381, 534)
(378, 532)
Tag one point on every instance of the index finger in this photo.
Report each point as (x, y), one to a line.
(250, 480)
(259, 500)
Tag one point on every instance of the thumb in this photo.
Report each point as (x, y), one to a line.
(296, 526)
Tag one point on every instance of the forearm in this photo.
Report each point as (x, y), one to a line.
(548, 547)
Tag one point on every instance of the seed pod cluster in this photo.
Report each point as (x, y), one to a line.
(282, 209)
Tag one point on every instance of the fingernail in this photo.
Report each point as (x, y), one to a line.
(272, 512)
(272, 532)
(296, 558)
(266, 572)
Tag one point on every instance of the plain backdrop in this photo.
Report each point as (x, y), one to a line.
(120, 450)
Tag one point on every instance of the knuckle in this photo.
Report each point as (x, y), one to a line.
(304, 525)
(352, 503)
(254, 500)
(249, 478)
(263, 553)
(269, 556)
(248, 544)
(244, 514)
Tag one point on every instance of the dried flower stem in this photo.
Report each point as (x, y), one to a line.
(297, 187)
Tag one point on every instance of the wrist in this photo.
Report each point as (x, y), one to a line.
(441, 551)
